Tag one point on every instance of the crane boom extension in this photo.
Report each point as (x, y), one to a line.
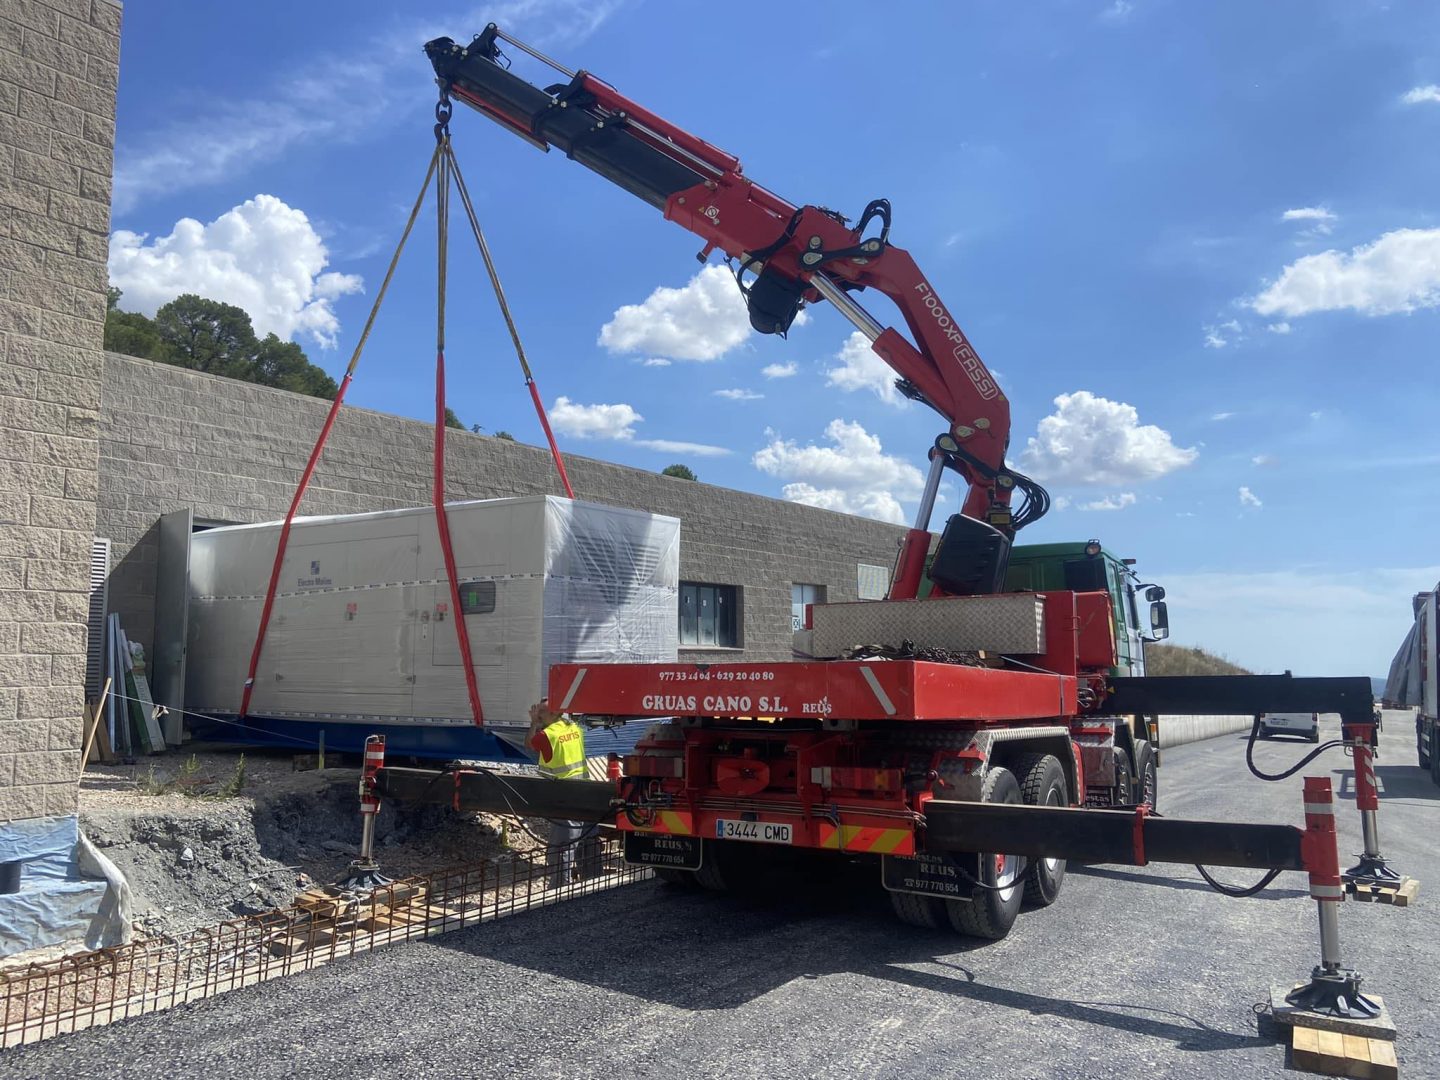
(797, 255)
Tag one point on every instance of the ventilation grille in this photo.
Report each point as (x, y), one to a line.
(617, 565)
(95, 619)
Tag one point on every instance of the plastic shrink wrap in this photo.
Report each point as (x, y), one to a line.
(363, 631)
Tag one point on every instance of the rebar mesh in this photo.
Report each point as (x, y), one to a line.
(156, 972)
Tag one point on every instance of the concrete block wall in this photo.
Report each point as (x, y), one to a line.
(1179, 730)
(58, 75)
(172, 438)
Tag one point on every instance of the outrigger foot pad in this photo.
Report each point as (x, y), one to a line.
(364, 876)
(1334, 992)
(1372, 870)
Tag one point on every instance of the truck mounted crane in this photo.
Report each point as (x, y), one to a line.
(950, 734)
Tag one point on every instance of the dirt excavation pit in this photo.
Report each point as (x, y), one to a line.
(202, 841)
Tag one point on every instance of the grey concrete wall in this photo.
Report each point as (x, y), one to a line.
(58, 75)
(1179, 730)
(172, 438)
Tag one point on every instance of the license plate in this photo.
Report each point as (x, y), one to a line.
(760, 832)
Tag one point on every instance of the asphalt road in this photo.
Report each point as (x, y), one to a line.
(1133, 973)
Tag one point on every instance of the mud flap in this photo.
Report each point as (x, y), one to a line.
(674, 852)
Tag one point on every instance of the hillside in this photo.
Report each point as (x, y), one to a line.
(1186, 660)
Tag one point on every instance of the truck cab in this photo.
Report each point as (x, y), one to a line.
(1088, 567)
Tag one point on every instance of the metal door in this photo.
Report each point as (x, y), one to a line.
(172, 613)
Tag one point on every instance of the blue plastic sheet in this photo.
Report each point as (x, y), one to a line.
(56, 902)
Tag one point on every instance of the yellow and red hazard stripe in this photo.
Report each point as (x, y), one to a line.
(874, 839)
(672, 823)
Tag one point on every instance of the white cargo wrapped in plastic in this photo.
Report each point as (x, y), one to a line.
(363, 631)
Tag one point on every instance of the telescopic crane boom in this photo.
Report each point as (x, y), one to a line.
(784, 256)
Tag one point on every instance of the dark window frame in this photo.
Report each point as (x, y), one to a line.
(708, 616)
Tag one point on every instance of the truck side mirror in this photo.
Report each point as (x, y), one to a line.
(1159, 621)
(1155, 592)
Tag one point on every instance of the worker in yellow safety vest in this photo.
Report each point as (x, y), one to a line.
(559, 745)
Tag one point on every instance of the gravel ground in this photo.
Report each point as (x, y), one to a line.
(1135, 972)
(195, 857)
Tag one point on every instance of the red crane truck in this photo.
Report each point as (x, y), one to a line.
(964, 694)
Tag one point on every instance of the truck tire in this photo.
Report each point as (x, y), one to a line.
(990, 914)
(926, 912)
(1147, 769)
(712, 874)
(1042, 783)
(1123, 793)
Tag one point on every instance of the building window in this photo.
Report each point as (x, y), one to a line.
(800, 596)
(871, 582)
(709, 615)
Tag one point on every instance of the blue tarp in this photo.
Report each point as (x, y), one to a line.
(56, 902)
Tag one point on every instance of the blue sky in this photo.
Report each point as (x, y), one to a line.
(1200, 244)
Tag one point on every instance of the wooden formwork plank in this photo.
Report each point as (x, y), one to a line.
(1334, 1053)
(1401, 895)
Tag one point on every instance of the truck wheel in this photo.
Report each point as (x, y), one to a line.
(1149, 774)
(927, 912)
(712, 875)
(991, 913)
(680, 879)
(1123, 793)
(1043, 784)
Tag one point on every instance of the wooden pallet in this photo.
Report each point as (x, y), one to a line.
(1399, 895)
(328, 915)
(1332, 1053)
(1337, 1045)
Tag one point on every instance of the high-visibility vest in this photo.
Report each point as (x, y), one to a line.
(566, 760)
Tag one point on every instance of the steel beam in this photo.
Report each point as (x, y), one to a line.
(1240, 695)
(1107, 836)
(500, 793)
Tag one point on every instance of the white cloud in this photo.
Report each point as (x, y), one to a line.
(1399, 272)
(1118, 11)
(861, 369)
(1260, 461)
(1093, 440)
(1249, 498)
(739, 393)
(1422, 94)
(852, 475)
(226, 139)
(262, 256)
(1313, 621)
(1322, 218)
(1222, 416)
(1111, 502)
(702, 320)
(1223, 334)
(655, 361)
(1279, 328)
(670, 446)
(594, 421)
(780, 371)
(617, 422)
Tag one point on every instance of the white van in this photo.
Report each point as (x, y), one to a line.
(1290, 723)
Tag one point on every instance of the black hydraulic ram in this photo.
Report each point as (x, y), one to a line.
(1108, 836)
(501, 793)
